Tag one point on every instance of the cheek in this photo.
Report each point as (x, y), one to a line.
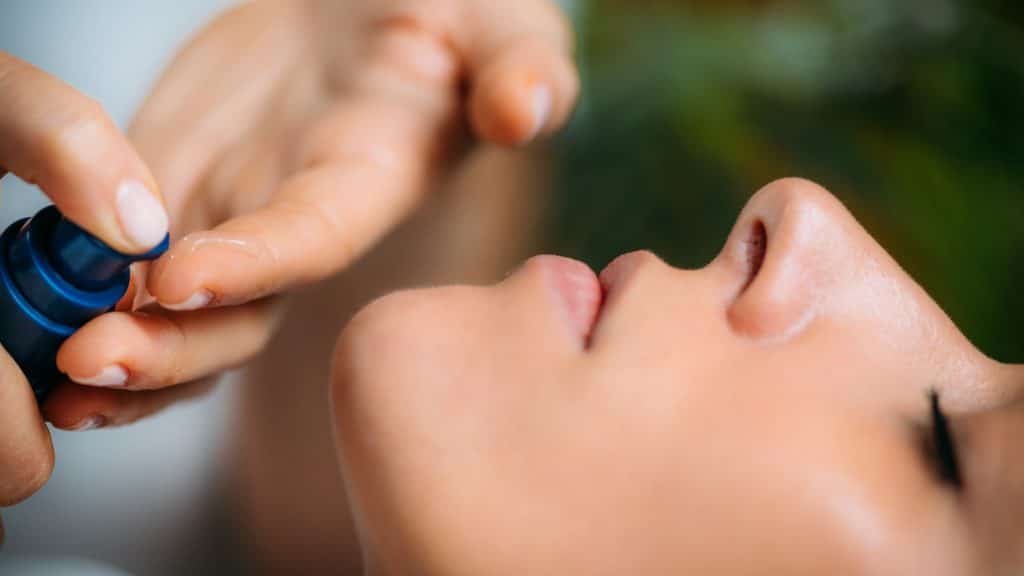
(472, 444)
(435, 394)
(901, 518)
(805, 494)
(852, 421)
(727, 446)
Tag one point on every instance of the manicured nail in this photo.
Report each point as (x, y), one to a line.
(110, 377)
(541, 102)
(90, 423)
(200, 299)
(142, 216)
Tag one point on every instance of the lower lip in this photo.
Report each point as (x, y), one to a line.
(577, 291)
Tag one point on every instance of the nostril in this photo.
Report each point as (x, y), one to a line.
(755, 247)
(788, 258)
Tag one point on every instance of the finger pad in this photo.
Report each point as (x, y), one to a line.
(502, 110)
(69, 404)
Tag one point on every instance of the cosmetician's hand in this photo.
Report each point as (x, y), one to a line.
(288, 139)
(64, 142)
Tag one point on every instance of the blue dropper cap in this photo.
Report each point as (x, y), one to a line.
(54, 278)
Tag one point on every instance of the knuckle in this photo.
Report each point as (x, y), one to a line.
(415, 50)
(314, 225)
(308, 215)
(375, 136)
(173, 368)
(82, 137)
(436, 17)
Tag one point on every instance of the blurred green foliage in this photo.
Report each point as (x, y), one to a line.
(911, 112)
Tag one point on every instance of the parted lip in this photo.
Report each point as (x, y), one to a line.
(582, 294)
(619, 272)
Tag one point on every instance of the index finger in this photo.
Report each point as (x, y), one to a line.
(53, 136)
(371, 160)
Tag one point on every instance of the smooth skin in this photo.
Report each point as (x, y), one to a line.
(61, 140)
(290, 137)
(768, 414)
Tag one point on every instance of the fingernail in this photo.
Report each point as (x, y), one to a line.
(142, 216)
(541, 102)
(110, 377)
(200, 299)
(90, 423)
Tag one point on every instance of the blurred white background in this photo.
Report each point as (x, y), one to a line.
(142, 499)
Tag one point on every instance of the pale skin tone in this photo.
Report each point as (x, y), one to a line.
(319, 127)
(284, 142)
(59, 139)
(286, 485)
(766, 414)
(246, 168)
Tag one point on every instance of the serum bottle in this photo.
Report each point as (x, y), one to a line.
(54, 278)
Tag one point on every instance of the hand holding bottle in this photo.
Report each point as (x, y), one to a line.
(289, 138)
(55, 137)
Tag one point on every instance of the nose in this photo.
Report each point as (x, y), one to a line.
(799, 254)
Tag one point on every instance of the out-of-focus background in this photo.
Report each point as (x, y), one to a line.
(911, 111)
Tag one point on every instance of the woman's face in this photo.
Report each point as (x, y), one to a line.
(768, 414)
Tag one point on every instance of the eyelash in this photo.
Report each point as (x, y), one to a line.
(943, 446)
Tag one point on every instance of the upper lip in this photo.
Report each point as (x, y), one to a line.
(615, 277)
(585, 295)
(619, 272)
